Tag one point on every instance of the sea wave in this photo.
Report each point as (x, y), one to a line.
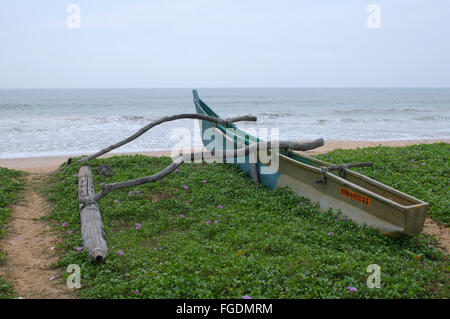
(347, 120)
(74, 121)
(277, 114)
(378, 110)
(433, 118)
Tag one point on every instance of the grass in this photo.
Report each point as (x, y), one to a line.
(422, 171)
(266, 244)
(11, 186)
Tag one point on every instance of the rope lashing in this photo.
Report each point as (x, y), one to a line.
(88, 201)
(341, 169)
(323, 172)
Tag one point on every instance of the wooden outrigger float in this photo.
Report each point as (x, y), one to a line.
(362, 199)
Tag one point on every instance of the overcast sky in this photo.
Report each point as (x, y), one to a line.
(224, 43)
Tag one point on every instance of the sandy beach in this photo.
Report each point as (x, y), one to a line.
(47, 164)
(50, 163)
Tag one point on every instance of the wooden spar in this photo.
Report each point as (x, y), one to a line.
(178, 160)
(253, 161)
(108, 188)
(169, 119)
(92, 232)
(255, 147)
(345, 166)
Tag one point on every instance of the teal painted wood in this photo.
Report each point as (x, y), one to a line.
(269, 180)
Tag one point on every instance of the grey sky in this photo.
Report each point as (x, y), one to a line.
(224, 43)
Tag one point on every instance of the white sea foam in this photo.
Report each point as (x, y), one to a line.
(63, 122)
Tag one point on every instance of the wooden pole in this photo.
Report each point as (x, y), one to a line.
(253, 161)
(180, 159)
(94, 241)
(169, 119)
(344, 166)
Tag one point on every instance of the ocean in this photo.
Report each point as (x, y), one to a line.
(46, 122)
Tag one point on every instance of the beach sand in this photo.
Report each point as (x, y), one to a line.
(51, 163)
(47, 164)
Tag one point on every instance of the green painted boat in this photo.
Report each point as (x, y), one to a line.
(362, 199)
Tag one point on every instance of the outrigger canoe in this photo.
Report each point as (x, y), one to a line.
(360, 198)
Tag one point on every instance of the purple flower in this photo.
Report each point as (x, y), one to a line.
(136, 292)
(344, 219)
(182, 216)
(64, 224)
(138, 226)
(216, 222)
(102, 184)
(185, 186)
(75, 175)
(79, 249)
(246, 297)
(120, 253)
(70, 232)
(330, 234)
(204, 181)
(301, 203)
(220, 206)
(137, 192)
(208, 222)
(351, 289)
(176, 170)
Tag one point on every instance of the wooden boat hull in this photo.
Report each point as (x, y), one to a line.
(362, 199)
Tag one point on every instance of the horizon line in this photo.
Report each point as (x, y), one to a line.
(231, 87)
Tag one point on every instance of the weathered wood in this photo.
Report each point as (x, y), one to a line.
(341, 168)
(255, 177)
(92, 233)
(108, 188)
(252, 149)
(338, 167)
(180, 159)
(168, 119)
(249, 149)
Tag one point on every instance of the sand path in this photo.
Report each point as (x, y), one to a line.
(30, 248)
(441, 233)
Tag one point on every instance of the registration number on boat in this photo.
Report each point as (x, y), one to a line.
(355, 196)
